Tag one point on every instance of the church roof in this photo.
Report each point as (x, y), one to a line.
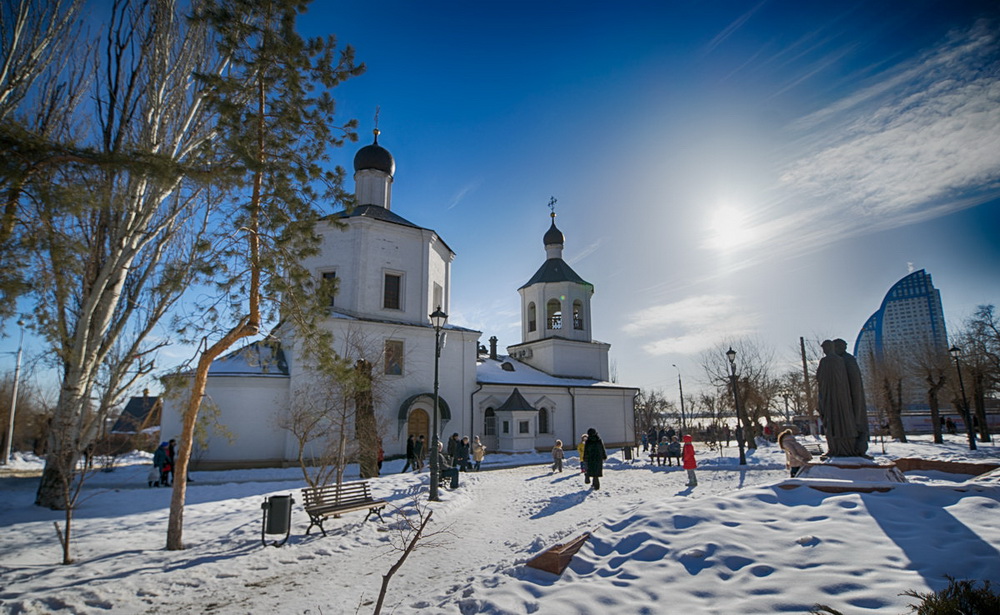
(555, 270)
(374, 156)
(515, 402)
(491, 371)
(553, 236)
(377, 212)
(260, 358)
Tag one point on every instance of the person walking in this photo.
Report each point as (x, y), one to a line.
(796, 455)
(579, 452)
(557, 456)
(688, 461)
(462, 451)
(418, 453)
(478, 452)
(594, 456)
(410, 462)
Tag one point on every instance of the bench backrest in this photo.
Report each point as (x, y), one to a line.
(336, 494)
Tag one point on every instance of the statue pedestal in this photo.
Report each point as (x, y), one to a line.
(855, 469)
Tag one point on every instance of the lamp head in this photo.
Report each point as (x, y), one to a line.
(731, 355)
(438, 318)
(955, 351)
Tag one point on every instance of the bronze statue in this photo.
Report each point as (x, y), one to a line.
(835, 404)
(857, 396)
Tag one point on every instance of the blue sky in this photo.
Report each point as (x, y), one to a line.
(722, 169)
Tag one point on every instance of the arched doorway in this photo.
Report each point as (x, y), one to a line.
(418, 424)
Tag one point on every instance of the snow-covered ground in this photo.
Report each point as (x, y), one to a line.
(745, 540)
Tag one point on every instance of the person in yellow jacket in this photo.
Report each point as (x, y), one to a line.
(579, 451)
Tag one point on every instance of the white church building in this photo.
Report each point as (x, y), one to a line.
(391, 274)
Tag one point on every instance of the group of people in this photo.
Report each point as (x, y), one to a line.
(460, 456)
(162, 474)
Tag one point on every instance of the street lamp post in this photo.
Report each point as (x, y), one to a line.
(13, 399)
(731, 355)
(438, 319)
(955, 351)
(786, 394)
(680, 388)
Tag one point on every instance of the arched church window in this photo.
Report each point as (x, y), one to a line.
(490, 423)
(554, 314)
(543, 420)
(578, 315)
(531, 316)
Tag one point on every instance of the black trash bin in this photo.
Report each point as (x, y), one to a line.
(628, 453)
(277, 518)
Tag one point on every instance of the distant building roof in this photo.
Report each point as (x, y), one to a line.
(139, 414)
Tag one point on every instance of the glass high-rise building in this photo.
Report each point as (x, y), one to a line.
(909, 321)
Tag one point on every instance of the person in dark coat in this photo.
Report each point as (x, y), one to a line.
(452, 447)
(418, 453)
(162, 464)
(171, 458)
(410, 462)
(462, 451)
(594, 456)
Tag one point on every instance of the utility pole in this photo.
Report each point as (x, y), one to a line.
(680, 387)
(13, 399)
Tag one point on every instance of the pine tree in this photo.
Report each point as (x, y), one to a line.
(276, 122)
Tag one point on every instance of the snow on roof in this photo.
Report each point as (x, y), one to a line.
(491, 371)
(260, 358)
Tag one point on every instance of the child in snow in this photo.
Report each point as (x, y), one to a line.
(557, 456)
(579, 451)
(689, 463)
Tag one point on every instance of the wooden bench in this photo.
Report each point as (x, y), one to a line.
(332, 500)
(814, 448)
(658, 459)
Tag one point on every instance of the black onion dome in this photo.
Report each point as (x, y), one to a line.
(553, 235)
(374, 156)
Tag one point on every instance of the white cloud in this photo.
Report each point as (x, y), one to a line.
(464, 192)
(919, 143)
(691, 325)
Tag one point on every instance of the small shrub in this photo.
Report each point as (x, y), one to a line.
(959, 597)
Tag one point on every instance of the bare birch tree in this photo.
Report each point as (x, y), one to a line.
(119, 220)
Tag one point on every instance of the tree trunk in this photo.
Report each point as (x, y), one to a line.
(175, 524)
(367, 434)
(934, 404)
(895, 407)
(932, 401)
(64, 444)
(979, 400)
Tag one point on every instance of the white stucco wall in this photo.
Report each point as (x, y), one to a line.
(248, 407)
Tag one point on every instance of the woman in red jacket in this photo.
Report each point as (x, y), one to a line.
(690, 464)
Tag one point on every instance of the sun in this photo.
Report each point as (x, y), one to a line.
(729, 229)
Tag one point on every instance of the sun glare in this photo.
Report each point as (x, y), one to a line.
(729, 229)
